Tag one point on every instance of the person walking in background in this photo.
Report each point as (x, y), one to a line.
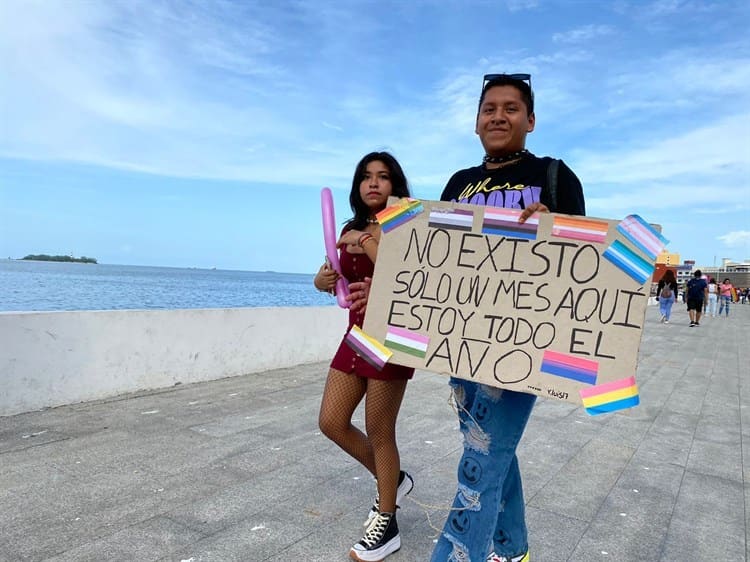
(713, 293)
(697, 292)
(667, 291)
(725, 296)
(350, 378)
(488, 521)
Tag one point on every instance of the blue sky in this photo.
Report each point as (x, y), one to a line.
(199, 134)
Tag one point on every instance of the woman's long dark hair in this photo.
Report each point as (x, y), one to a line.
(398, 181)
(668, 277)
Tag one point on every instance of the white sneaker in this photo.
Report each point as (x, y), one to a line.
(381, 539)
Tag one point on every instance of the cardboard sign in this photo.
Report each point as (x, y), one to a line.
(553, 307)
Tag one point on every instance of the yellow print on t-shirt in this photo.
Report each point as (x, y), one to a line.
(481, 187)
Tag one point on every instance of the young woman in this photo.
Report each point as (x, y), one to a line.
(377, 176)
(725, 297)
(667, 292)
(713, 291)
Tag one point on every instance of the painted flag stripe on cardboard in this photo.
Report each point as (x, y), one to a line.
(610, 396)
(368, 348)
(504, 222)
(407, 341)
(629, 262)
(570, 367)
(452, 219)
(580, 229)
(396, 215)
(643, 235)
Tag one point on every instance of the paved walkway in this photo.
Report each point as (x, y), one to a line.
(236, 470)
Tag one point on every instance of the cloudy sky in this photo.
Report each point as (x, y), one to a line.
(199, 134)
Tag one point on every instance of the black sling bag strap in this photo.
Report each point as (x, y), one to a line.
(552, 183)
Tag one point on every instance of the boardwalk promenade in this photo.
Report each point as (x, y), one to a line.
(236, 469)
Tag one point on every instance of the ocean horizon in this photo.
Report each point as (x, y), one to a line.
(36, 286)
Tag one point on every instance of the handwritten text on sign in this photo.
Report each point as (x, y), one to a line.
(550, 307)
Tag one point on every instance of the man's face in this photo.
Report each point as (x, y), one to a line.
(502, 122)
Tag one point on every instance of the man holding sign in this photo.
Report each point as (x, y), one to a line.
(487, 522)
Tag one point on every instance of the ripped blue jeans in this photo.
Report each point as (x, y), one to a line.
(488, 510)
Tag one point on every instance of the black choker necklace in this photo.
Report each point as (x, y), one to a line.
(502, 159)
(372, 221)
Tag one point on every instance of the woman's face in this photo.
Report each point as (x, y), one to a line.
(376, 186)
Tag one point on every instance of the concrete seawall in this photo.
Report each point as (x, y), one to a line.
(55, 358)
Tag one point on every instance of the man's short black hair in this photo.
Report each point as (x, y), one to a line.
(506, 80)
(697, 273)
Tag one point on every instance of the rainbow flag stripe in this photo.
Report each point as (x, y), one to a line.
(628, 261)
(610, 396)
(396, 215)
(453, 219)
(580, 229)
(643, 235)
(504, 222)
(368, 348)
(569, 367)
(404, 340)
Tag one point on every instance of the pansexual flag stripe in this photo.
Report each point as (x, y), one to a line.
(630, 262)
(504, 222)
(570, 367)
(455, 219)
(396, 215)
(404, 340)
(580, 229)
(368, 348)
(610, 396)
(643, 235)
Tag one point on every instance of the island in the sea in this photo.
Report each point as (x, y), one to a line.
(45, 257)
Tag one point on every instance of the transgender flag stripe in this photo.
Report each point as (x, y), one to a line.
(629, 262)
(643, 235)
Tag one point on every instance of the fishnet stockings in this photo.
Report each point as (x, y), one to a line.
(377, 450)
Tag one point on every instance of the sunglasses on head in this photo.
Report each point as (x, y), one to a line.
(522, 77)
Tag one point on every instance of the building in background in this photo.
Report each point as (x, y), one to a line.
(737, 272)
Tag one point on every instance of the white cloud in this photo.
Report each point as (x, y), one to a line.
(583, 34)
(736, 238)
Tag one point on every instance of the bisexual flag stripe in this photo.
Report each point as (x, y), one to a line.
(570, 367)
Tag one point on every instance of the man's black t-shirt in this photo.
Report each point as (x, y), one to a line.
(516, 186)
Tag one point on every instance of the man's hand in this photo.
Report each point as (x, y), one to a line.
(359, 292)
(531, 209)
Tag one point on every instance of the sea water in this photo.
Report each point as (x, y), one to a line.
(44, 286)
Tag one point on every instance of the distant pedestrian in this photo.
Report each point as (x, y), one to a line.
(667, 295)
(713, 294)
(725, 296)
(350, 378)
(697, 292)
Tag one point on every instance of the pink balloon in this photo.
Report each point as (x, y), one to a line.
(332, 253)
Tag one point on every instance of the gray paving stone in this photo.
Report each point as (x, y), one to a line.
(237, 469)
